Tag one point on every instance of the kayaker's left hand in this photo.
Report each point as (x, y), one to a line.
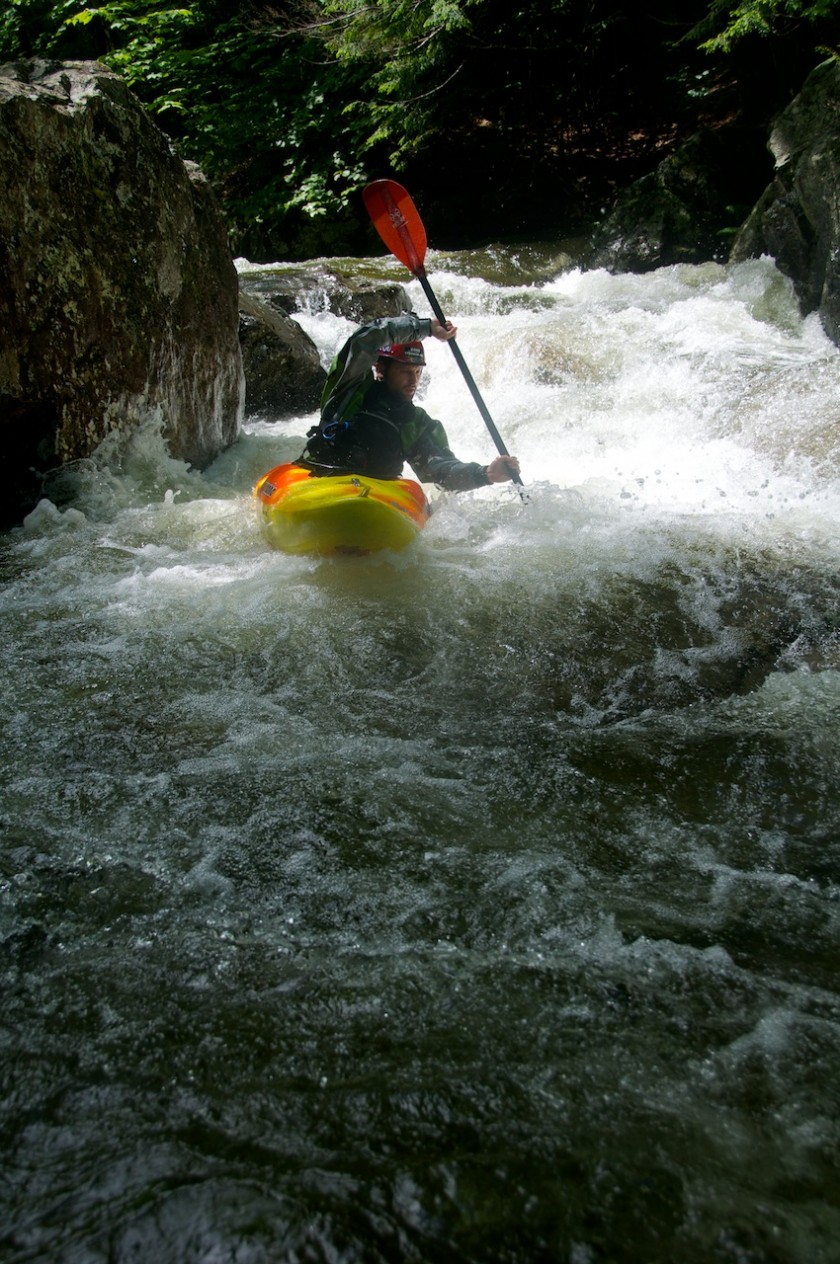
(501, 470)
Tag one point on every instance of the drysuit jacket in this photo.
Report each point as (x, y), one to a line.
(369, 429)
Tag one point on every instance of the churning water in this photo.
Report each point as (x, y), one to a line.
(478, 903)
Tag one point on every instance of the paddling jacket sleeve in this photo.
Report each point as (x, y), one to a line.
(433, 462)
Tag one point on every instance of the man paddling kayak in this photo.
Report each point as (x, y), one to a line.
(369, 422)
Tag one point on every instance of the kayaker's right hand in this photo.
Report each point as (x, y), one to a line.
(443, 332)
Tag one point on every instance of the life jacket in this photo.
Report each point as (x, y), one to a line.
(366, 438)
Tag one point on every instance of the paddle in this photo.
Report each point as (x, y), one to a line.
(396, 219)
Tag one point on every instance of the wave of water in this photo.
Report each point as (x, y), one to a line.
(479, 903)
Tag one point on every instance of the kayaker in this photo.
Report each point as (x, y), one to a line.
(369, 422)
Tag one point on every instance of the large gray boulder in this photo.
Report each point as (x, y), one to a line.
(118, 294)
(797, 220)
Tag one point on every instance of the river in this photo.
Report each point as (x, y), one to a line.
(479, 903)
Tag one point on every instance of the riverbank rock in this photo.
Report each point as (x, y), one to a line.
(797, 220)
(323, 288)
(283, 373)
(680, 212)
(118, 294)
(363, 301)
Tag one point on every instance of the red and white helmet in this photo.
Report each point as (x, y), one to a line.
(403, 352)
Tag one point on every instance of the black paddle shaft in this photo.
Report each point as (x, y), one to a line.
(468, 377)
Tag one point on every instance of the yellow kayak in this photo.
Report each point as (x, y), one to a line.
(338, 513)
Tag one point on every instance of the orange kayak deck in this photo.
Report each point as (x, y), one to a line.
(337, 513)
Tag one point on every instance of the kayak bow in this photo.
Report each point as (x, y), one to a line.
(337, 513)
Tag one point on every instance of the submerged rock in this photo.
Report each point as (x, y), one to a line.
(118, 293)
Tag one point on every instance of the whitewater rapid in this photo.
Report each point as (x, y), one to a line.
(474, 903)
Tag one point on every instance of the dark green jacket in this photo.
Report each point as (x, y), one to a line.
(369, 429)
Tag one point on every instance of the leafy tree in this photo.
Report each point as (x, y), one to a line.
(291, 105)
(726, 23)
(764, 49)
(515, 112)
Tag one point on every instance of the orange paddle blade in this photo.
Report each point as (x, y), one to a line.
(396, 220)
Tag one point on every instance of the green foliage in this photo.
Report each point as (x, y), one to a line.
(291, 106)
(503, 80)
(411, 54)
(22, 27)
(726, 23)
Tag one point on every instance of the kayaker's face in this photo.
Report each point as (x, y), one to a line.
(403, 379)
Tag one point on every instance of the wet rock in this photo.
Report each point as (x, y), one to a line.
(325, 289)
(24, 948)
(797, 220)
(364, 301)
(679, 212)
(118, 294)
(283, 373)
